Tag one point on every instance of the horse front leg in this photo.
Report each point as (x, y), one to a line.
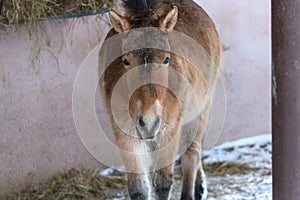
(136, 165)
(162, 182)
(138, 186)
(162, 178)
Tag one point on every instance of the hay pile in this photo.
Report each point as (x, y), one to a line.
(30, 11)
(89, 185)
(75, 184)
(228, 168)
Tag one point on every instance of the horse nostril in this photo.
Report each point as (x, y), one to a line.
(158, 121)
(141, 122)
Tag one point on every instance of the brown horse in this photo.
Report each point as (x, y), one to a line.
(162, 116)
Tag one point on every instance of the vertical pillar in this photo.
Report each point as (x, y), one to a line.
(286, 99)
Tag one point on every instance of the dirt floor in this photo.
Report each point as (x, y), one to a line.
(236, 170)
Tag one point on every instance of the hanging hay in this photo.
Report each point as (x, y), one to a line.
(33, 13)
(14, 12)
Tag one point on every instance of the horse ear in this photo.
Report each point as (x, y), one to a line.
(119, 23)
(169, 21)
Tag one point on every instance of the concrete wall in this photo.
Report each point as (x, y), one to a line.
(37, 133)
(245, 31)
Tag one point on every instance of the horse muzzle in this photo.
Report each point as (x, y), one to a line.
(148, 127)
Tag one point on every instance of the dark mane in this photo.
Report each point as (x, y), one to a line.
(143, 6)
(139, 10)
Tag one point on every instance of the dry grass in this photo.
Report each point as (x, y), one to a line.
(88, 185)
(75, 184)
(31, 11)
(228, 168)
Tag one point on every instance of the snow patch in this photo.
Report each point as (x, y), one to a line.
(255, 151)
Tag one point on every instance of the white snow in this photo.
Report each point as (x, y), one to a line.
(255, 151)
(106, 172)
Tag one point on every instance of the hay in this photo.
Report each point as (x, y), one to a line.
(228, 168)
(14, 12)
(89, 185)
(75, 184)
(33, 13)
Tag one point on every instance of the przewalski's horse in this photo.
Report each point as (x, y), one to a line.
(160, 116)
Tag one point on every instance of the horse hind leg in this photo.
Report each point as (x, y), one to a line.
(190, 164)
(194, 183)
(200, 185)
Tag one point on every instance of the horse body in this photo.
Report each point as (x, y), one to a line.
(159, 117)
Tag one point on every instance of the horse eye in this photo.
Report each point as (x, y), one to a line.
(126, 62)
(166, 61)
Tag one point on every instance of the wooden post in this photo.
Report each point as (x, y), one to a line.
(286, 99)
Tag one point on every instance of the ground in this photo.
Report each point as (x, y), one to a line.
(236, 170)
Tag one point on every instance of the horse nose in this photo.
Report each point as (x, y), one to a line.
(148, 127)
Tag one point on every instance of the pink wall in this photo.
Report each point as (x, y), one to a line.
(245, 31)
(37, 133)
